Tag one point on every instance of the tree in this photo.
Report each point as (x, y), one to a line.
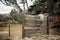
(57, 12)
(41, 6)
(38, 7)
(11, 3)
(15, 4)
(15, 16)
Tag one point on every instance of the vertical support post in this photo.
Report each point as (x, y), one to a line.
(23, 19)
(9, 31)
(47, 25)
(23, 28)
(9, 28)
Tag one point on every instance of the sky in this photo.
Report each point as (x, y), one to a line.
(6, 9)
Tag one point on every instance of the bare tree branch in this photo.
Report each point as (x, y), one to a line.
(11, 3)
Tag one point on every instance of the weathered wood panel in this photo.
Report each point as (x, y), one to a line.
(32, 20)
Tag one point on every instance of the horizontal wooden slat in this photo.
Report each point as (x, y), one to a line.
(34, 21)
(31, 31)
(31, 17)
(31, 20)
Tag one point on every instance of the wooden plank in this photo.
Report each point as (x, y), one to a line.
(31, 31)
(31, 17)
(32, 25)
(31, 20)
(34, 21)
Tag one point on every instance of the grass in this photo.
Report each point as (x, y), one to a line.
(15, 30)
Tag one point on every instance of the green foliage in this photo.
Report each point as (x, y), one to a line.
(19, 21)
(3, 24)
(36, 12)
(57, 12)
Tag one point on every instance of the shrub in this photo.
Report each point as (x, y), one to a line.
(3, 24)
(57, 12)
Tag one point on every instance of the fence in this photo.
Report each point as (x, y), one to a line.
(33, 25)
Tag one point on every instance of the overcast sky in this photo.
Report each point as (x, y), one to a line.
(6, 9)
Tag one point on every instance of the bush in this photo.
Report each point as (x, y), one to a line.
(3, 24)
(19, 21)
(57, 12)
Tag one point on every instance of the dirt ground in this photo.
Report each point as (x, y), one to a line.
(16, 34)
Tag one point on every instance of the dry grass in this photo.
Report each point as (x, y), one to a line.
(16, 34)
(15, 30)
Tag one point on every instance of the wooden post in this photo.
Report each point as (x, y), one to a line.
(9, 29)
(23, 33)
(47, 25)
(23, 20)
